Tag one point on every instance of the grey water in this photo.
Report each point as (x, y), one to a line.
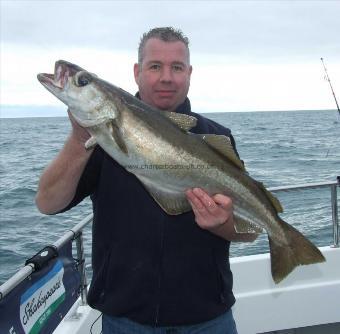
(278, 148)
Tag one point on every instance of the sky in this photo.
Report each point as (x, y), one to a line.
(246, 55)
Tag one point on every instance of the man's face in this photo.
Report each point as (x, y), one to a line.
(164, 77)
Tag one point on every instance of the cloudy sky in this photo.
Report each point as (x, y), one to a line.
(246, 55)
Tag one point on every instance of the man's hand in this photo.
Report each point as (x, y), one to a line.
(79, 133)
(215, 214)
(210, 212)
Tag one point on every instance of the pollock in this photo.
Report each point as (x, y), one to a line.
(159, 149)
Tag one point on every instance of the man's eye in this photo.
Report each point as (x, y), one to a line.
(177, 68)
(155, 67)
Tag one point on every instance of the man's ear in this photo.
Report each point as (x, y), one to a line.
(136, 73)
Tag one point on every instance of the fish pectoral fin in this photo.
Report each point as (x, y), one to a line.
(173, 203)
(117, 136)
(184, 122)
(90, 143)
(223, 145)
(243, 226)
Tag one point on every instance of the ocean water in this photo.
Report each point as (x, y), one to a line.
(278, 148)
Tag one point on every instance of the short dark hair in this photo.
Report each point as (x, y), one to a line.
(165, 34)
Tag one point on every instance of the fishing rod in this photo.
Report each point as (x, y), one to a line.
(329, 81)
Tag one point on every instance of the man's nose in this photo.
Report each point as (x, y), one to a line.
(166, 74)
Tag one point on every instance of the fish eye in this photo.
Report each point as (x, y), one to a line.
(82, 79)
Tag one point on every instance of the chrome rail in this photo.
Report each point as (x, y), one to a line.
(73, 234)
(76, 234)
(334, 201)
(335, 217)
(82, 268)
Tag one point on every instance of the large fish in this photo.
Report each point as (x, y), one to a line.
(158, 148)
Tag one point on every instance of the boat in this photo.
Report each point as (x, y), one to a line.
(35, 300)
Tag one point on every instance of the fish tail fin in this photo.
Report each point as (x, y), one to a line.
(297, 250)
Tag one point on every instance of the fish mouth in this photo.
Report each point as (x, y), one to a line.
(63, 70)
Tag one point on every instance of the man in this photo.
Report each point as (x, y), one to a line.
(151, 271)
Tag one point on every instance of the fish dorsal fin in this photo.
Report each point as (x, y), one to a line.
(222, 144)
(276, 203)
(117, 136)
(185, 122)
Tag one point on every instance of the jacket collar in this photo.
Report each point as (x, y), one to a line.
(184, 108)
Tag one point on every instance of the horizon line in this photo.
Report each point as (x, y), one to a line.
(62, 109)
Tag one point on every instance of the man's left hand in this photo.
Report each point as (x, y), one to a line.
(210, 212)
(215, 214)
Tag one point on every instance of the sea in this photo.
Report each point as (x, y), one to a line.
(279, 148)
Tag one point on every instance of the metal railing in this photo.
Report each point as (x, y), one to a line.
(73, 234)
(334, 201)
(76, 234)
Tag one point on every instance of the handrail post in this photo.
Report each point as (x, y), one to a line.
(81, 267)
(334, 199)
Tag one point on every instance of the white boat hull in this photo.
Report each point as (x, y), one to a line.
(309, 296)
